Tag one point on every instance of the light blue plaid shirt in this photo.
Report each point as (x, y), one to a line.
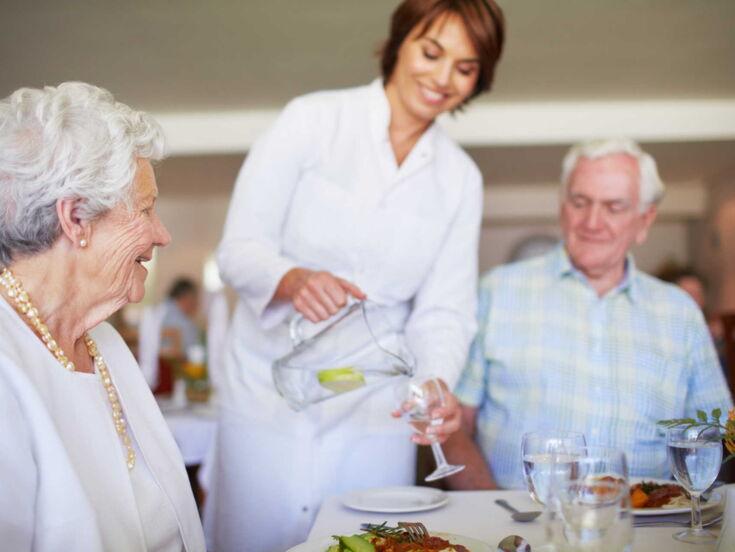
(551, 354)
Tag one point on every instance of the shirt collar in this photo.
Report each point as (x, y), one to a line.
(379, 108)
(561, 267)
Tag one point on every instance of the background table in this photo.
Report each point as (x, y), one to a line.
(475, 514)
(193, 427)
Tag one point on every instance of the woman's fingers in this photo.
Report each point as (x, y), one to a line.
(352, 289)
(304, 306)
(321, 295)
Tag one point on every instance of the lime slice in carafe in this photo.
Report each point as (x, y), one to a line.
(341, 380)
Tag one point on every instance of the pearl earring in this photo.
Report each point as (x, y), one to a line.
(82, 243)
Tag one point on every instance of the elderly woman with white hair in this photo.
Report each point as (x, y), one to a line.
(86, 460)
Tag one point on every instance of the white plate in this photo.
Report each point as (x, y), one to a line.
(714, 500)
(321, 545)
(393, 500)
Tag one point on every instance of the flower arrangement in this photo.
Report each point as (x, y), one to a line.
(726, 428)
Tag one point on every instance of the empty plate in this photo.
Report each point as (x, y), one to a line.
(393, 500)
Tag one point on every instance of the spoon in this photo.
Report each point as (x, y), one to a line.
(517, 516)
(514, 543)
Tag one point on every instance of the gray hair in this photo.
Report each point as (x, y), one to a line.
(69, 141)
(650, 186)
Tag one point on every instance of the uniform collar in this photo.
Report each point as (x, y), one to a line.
(379, 113)
(561, 267)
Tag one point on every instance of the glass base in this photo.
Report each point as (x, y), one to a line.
(443, 471)
(696, 537)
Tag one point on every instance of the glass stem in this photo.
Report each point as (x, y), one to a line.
(696, 514)
(439, 458)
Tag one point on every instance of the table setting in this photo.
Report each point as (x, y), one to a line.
(578, 497)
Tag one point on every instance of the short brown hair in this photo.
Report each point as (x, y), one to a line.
(483, 20)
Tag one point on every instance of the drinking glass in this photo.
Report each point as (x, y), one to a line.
(537, 449)
(418, 399)
(589, 503)
(695, 456)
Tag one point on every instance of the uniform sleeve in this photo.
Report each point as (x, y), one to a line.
(17, 474)
(707, 387)
(249, 255)
(472, 383)
(442, 322)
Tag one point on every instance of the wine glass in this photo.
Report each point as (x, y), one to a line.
(537, 449)
(589, 502)
(417, 401)
(695, 456)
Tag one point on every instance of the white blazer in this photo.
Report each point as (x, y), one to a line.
(65, 485)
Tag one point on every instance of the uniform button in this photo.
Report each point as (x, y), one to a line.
(304, 508)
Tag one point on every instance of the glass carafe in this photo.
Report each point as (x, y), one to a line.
(361, 345)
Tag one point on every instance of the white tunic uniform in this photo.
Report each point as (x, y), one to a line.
(65, 484)
(322, 190)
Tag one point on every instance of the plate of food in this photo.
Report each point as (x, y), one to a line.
(653, 497)
(396, 500)
(382, 538)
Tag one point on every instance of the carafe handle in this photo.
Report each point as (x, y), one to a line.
(294, 327)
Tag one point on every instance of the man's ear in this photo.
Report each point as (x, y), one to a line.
(76, 229)
(646, 220)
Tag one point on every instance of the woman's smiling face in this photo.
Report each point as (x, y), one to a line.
(125, 237)
(435, 72)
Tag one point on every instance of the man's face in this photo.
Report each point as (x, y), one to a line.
(600, 215)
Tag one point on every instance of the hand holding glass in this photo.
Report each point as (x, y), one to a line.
(418, 401)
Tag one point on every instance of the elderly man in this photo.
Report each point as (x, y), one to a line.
(580, 339)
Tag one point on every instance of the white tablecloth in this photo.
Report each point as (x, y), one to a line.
(475, 514)
(193, 428)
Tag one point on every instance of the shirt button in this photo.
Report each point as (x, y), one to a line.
(304, 508)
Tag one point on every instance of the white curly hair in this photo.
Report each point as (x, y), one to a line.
(69, 141)
(650, 186)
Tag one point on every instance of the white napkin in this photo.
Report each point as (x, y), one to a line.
(726, 542)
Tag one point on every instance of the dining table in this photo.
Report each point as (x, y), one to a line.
(475, 514)
(193, 426)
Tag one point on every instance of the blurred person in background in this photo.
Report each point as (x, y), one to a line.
(581, 340)
(86, 460)
(180, 313)
(351, 193)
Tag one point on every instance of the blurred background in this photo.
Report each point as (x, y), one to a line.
(216, 74)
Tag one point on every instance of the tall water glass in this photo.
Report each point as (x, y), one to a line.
(589, 507)
(695, 456)
(537, 449)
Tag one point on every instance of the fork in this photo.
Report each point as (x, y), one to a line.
(676, 523)
(415, 530)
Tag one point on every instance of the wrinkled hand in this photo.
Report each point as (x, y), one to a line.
(317, 295)
(451, 413)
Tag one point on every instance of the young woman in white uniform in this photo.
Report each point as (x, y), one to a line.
(351, 192)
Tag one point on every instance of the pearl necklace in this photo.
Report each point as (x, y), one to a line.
(15, 291)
